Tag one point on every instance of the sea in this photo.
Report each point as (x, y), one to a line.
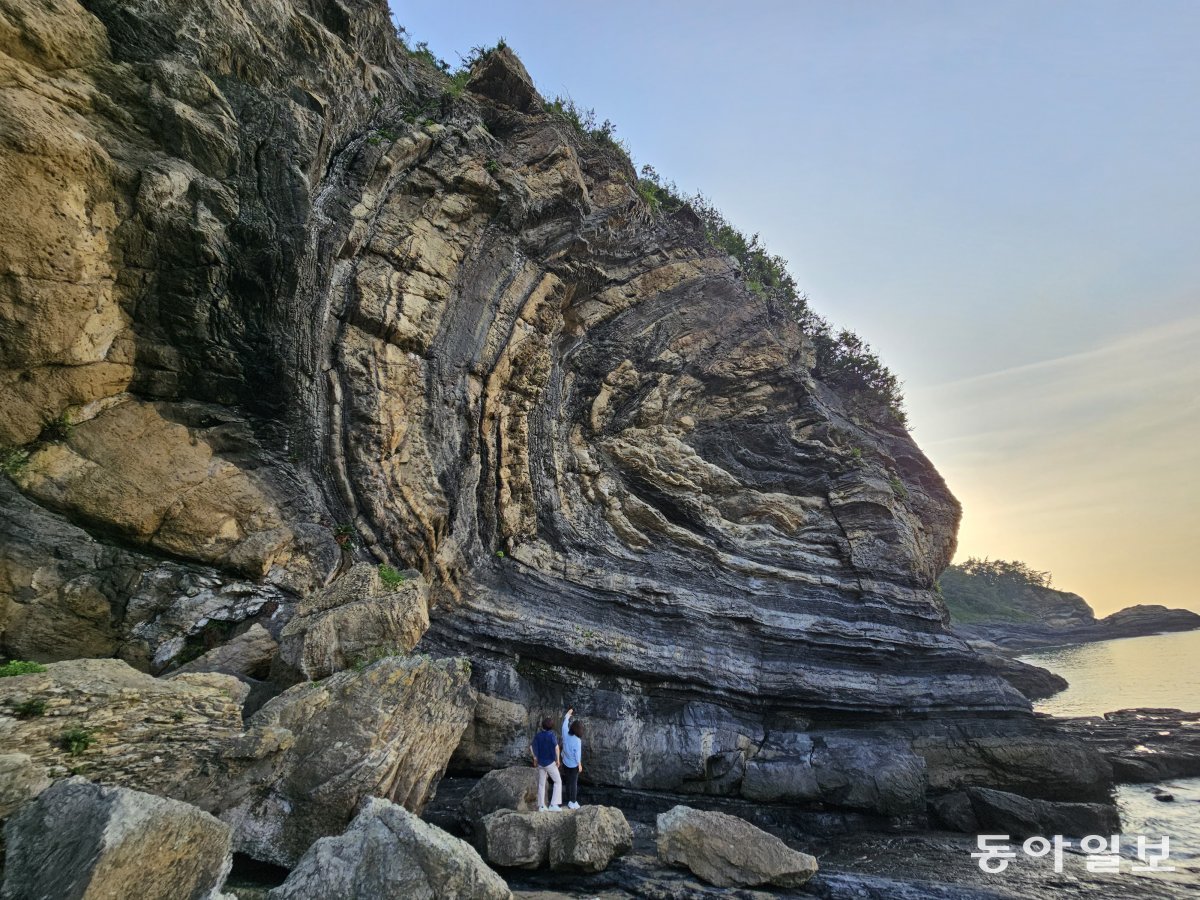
(1160, 670)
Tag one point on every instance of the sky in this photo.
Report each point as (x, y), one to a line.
(1002, 197)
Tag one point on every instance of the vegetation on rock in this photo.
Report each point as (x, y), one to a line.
(843, 359)
(20, 667)
(987, 590)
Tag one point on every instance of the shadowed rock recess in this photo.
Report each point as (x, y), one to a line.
(276, 297)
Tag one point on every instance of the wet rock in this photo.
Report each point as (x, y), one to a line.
(389, 852)
(81, 840)
(1142, 745)
(955, 812)
(729, 852)
(582, 840)
(1021, 817)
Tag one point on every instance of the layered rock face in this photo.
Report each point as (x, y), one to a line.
(277, 296)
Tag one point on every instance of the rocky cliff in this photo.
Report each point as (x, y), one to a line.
(278, 296)
(1014, 607)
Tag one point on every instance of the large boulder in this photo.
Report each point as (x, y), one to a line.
(578, 840)
(389, 852)
(81, 840)
(246, 655)
(729, 852)
(386, 731)
(20, 781)
(512, 788)
(354, 620)
(1021, 817)
(119, 726)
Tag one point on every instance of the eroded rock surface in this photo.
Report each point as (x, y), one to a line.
(729, 852)
(81, 841)
(277, 299)
(387, 731)
(389, 852)
(512, 788)
(575, 840)
(352, 621)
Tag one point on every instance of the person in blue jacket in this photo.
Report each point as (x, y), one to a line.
(546, 757)
(572, 758)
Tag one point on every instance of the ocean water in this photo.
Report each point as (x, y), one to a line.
(1160, 670)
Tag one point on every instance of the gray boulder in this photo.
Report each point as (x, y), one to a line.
(1022, 817)
(729, 852)
(81, 841)
(389, 852)
(512, 788)
(20, 781)
(577, 840)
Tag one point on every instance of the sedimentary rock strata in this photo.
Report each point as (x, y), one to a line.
(279, 297)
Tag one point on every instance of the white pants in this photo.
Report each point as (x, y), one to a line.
(551, 772)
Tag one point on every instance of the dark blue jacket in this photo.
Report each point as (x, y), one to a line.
(543, 747)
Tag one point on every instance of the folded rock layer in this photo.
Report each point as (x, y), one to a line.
(361, 313)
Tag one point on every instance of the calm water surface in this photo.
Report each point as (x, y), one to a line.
(1160, 670)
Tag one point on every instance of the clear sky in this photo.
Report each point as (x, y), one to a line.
(1002, 196)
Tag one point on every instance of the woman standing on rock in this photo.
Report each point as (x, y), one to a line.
(572, 758)
(545, 752)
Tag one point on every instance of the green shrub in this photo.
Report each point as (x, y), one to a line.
(843, 360)
(376, 654)
(20, 667)
(13, 460)
(602, 135)
(898, 487)
(345, 534)
(76, 740)
(390, 577)
(57, 430)
(33, 708)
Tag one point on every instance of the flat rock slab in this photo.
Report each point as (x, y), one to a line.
(729, 852)
(580, 840)
(389, 852)
(81, 841)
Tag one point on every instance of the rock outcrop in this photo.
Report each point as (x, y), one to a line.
(118, 726)
(80, 841)
(1142, 745)
(574, 840)
(354, 620)
(729, 852)
(1004, 813)
(389, 852)
(279, 297)
(296, 772)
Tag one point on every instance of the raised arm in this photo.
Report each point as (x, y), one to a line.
(567, 723)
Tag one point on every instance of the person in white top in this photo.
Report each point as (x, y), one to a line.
(572, 758)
